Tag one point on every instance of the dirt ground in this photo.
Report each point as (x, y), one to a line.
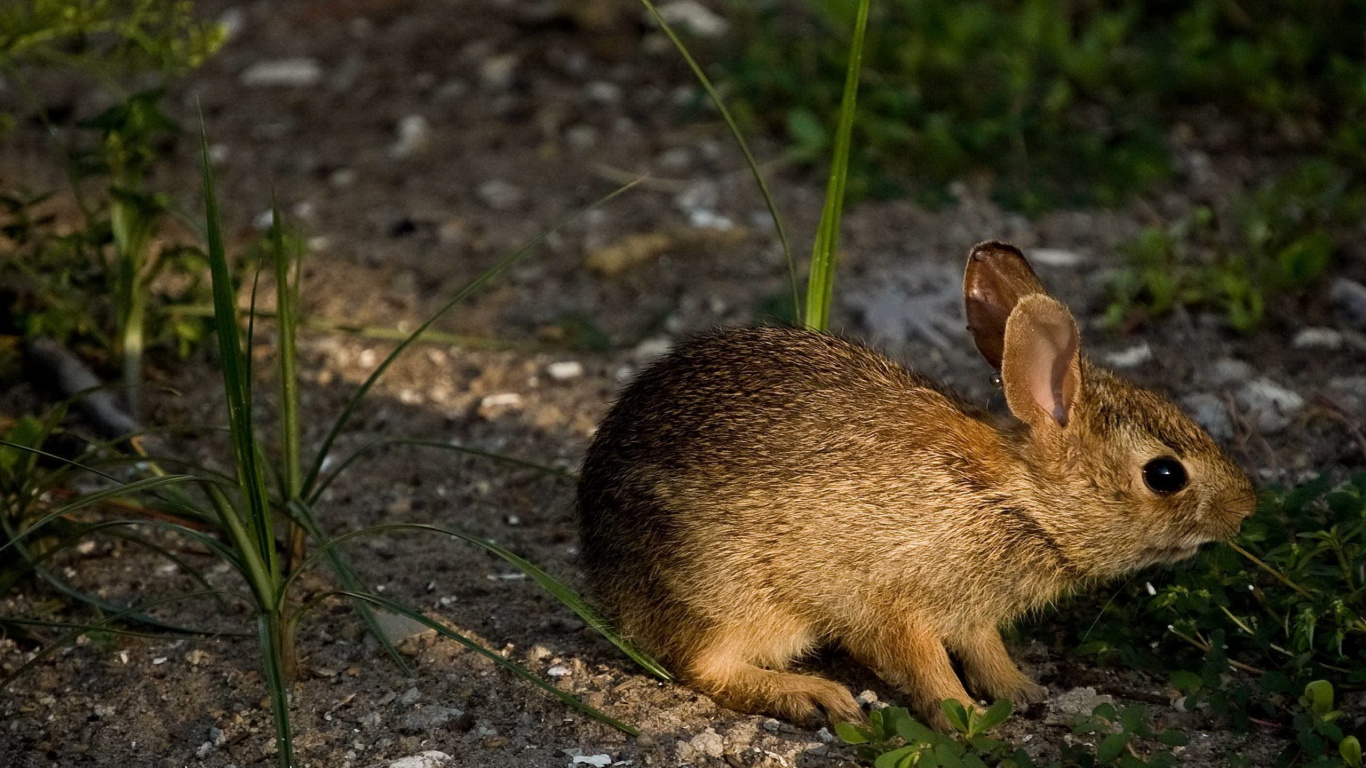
(439, 135)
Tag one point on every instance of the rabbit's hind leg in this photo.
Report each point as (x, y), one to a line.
(727, 668)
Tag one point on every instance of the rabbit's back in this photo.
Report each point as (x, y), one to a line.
(765, 466)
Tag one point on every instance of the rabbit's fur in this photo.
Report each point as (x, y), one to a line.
(761, 492)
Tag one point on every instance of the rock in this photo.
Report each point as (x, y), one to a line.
(704, 195)
(498, 73)
(709, 743)
(652, 348)
(1128, 358)
(558, 671)
(500, 401)
(1271, 406)
(409, 697)
(398, 628)
(500, 195)
(1055, 257)
(429, 759)
(603, 92)
(371, 720)
(1069, 704)
(1227, 372)
(825, 735)
(866, 698)
(1318, 338)
(414, 136)
(428, 719)
(706, 219)
(1210, 412)
(1349, 298)
(676, 160)
(1349, 392)
(630, 251)
(581, 137)
(693, 18)
(916, 300)
(597, 761)
(565, 370)
(299, 72)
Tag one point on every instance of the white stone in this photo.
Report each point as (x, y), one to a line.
(414, 136)
(1128, 358)
(603, 92)
(1318, 338)
(597, 761)
(429, 759)
(709, 743)
(564, 370)
(653, 347)
(1210, 412)
(299, 72)
(694, 18)
(1227, 371)
(499, 72)
(500, 195)
(1270, 405)
(1055, 257)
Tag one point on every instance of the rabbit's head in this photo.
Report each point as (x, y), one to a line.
(1126, 478)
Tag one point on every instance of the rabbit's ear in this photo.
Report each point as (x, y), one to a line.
(1041, 364)
(997, 277)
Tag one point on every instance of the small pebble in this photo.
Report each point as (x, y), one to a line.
(414, 136)
(565, 370)
(694, 18)
(709, 743)
(1128, 358)
(597, 761)
(299, 72)
(1228, 372)
(1055, 257)
(500, 195)
(1349, 297)
(429, 759)
(499, 72)
(1318, 338)
(1210, 412)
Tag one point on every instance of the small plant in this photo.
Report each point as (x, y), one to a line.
(894, 739)
(1270, 243)
(94, 284)
(235, 517)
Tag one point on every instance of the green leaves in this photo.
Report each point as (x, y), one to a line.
(894, 739)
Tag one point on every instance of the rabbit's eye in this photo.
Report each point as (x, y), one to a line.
(1165, 475)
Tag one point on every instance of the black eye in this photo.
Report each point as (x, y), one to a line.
(1164, 475)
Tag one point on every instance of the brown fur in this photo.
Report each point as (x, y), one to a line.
(762, 492)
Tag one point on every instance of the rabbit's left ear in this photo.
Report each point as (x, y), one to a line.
(997, 277)
(1041, 367)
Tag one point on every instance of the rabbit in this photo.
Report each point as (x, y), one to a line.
(762, 492)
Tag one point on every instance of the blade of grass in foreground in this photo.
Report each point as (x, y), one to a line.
(236, 377)
(464, 293)
(552, 585)
(821, 282)
(508, 664)
(744, 149)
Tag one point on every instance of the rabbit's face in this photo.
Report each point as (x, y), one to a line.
(1169, 487)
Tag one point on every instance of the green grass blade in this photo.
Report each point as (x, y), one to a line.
(464, 293)
(81, 629)
(552, 585)
(744, 149)
(302, 514)
(272, 634)
(821, 282)
(91, 499)
(559, 474)
(508, 664)
(236, 382)
(286, 321)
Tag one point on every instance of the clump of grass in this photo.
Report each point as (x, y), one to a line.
(1051, 103)
(1268, 244)
(237, 517)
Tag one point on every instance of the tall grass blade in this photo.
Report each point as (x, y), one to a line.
(286, 321)
(508, 664)
(236, 382)
(92, 499)
(302, 514)
(81, 629)
(344, 464)
(821, 282)
(273, 657)
(744, 149)
(552, 585)
(464, 293)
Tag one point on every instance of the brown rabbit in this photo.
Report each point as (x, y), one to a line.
(761, 492)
